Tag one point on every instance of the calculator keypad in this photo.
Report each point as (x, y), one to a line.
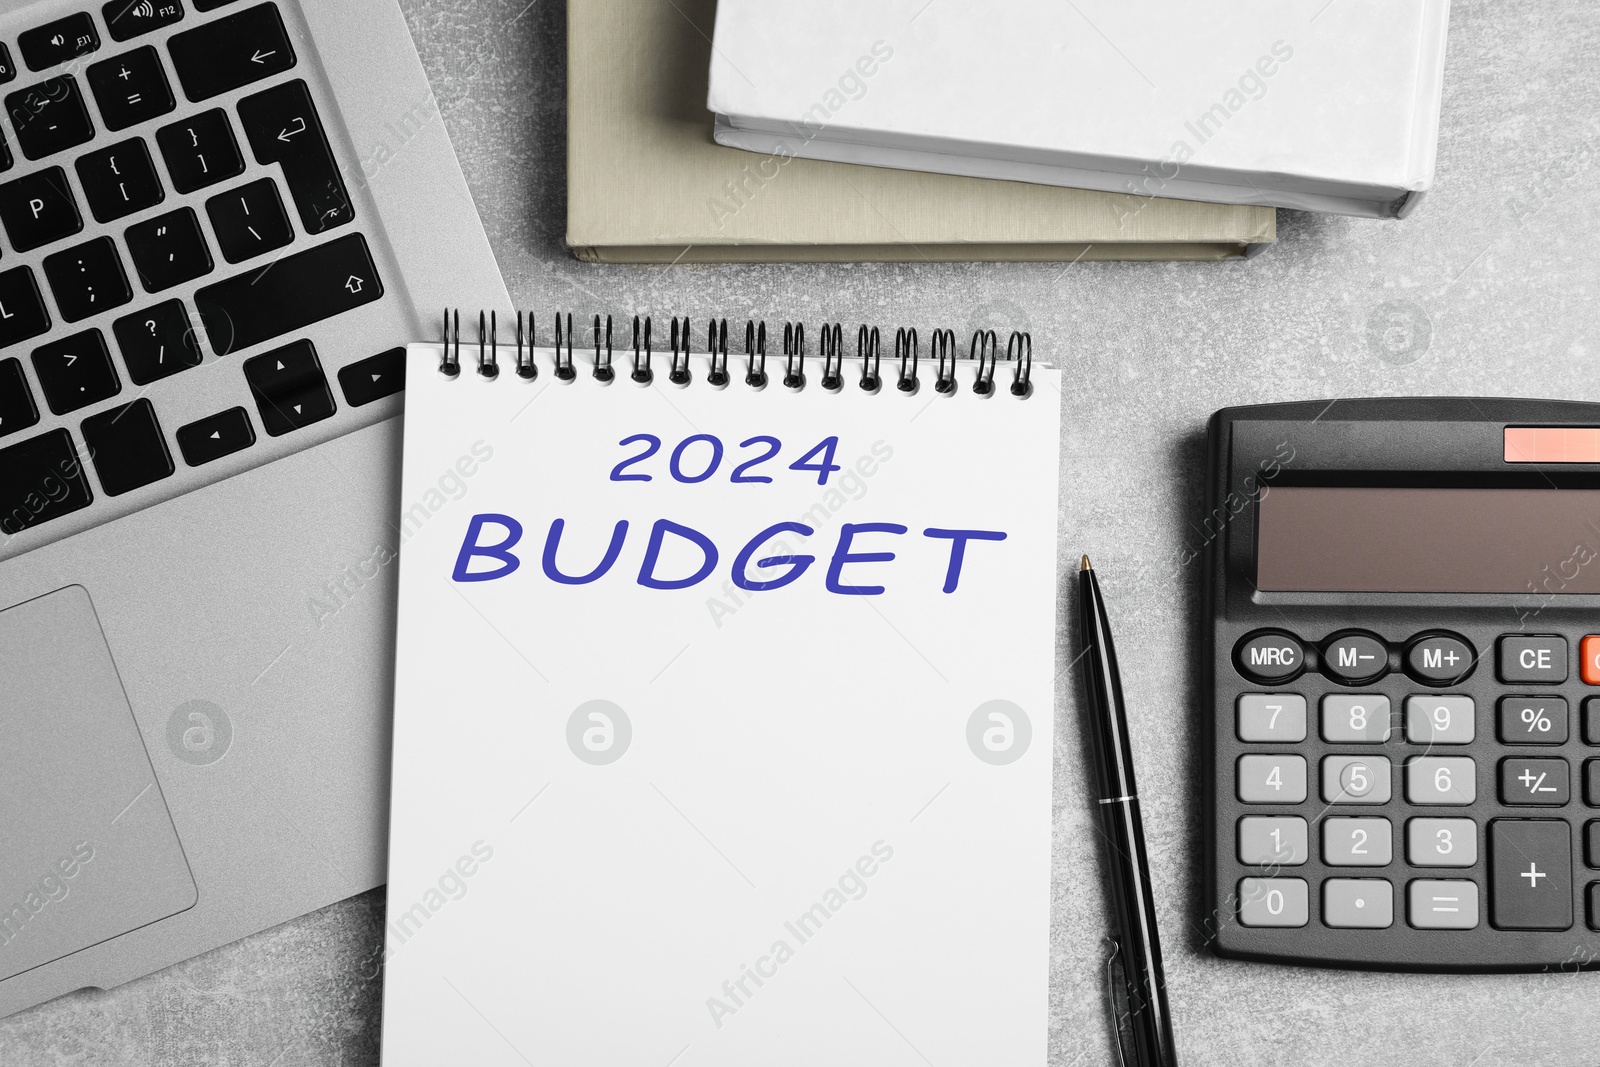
(1441, 804)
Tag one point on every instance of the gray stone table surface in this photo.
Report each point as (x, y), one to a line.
(1489, 289)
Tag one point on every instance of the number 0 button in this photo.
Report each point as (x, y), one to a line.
(1273, 902)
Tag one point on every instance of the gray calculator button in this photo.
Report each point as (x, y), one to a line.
(1272, 840)
(1534, 721)
(1533, 659)
(1434, 720)
(1440, 904)
(1441, 842)
(1355, 779)
(1357, 842)
(1273, 902)
(1441, 780)
(1272, 717)
(1272, 779)
(1355, 718)
(1361, 903)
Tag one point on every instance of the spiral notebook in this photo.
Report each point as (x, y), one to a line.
(724, 700)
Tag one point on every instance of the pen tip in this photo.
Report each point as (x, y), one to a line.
(1085, 565)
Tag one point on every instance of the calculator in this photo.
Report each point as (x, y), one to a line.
(1400, 669)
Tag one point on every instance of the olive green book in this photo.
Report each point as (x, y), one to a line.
(647, 184)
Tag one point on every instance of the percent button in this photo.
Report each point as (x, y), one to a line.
(1533, 720)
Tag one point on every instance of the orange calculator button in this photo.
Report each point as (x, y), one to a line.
(1589, 655)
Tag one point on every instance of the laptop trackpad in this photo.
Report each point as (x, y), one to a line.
(87, 849)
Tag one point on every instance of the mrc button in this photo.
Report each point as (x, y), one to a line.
(1539, 659)
(1440, 659)
(1355, 658)
(1270, 656)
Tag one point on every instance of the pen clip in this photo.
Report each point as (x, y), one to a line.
(1111, 1002)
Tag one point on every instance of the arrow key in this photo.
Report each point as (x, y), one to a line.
(289, 387)
(230, 52)
(373, 378)
(215, 436)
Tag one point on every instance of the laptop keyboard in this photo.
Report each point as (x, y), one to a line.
(138, 121)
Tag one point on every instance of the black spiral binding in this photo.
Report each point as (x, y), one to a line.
(984, 354)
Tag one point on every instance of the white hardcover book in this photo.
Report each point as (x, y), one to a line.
(1321, 105)
(723, 715)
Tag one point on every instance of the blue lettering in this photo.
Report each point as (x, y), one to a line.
(797, 564)
(958, 549)
(500, 551)
(554, 541)
(652, 552)
(842, 555)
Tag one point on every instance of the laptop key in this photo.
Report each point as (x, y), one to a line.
(119, 180)
(373, 378)
(22, 310)
(282, 126)
(157, 342)
(75, 372)
(231, 52)
(40, 479)
(5, 150)
(38, 208)
(130, 88)
(168, 249)
(127, 19)
(127, 446)
(288, 294)
(58, 41)
(215, 436)
(87, 279)
(290, 389)
(8, 69)
(200, 151)
(17, 409)
(249, 220)
(49, 117)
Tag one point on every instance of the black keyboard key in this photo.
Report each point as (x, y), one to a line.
(249, 220)
(131, 88)
(58, 41)
(5, 152)
(289, 387)
(282, 127)
(127, 19)
(374, 378)
(49, 117)
(157, 342)
(289, 294)
(87, 279)
(127, 446)
(8, 69)
(200, 151)
(1534, 781)
(22, 310)
(40, 479)
(233, 51)
(75, 372)
(119, 180)
(1530, 867)
(215, 436)
(168, 249)
(39, 208)
(210, 5)
(17, 409)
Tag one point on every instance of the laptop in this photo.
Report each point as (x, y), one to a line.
(219, 221)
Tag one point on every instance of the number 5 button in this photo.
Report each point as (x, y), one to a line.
(1355, 779)
(1441, 780)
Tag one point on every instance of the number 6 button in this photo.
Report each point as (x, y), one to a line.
(1441, 780)
(1355, 779)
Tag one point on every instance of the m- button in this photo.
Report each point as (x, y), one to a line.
(1355, 658)
(1533, 659)
(1269, 657)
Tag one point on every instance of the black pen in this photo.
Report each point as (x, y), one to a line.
(1138, 943)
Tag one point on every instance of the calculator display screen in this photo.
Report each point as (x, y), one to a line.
(1409, 540)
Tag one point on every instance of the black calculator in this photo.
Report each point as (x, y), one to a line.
(1401, 667)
